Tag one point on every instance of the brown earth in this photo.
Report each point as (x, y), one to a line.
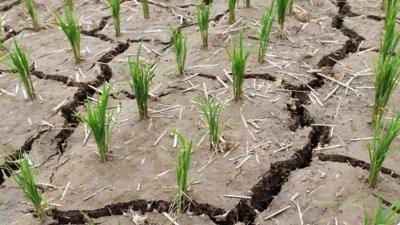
(285, 105)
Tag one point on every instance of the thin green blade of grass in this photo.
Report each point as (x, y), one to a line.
(182, 170)
(203, 19)
(387, 65)
(180, 48)
(115, 12)
(380, 147)
(140, 83)
(24, 177)
(30, 6)
(232, 11)
(238, 58)
(69, 24)
(100, 121)
(20, 67)
(212, 111)
(146, 8)
(282, 6)
(265, 32)
(382, 216)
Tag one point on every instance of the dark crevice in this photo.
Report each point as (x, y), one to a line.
(95, 32)
(354, 162)
(10, 5)
(66, 80)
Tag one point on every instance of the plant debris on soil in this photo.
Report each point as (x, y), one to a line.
(293, 150)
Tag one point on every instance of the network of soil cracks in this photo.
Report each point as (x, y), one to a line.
(295, 145)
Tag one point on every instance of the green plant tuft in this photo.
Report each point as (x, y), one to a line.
(24, 176)
(389, 216)
(282, 6)
(115, 11)
(145, 6)
(20, 67)
(212, 111)
(232, 8)
(140, 83)
(100, 121)
(182, 170)
(70, 26)
(265, 32)
(179, 41)
(203, 19)
(238, 58)
(30, 6)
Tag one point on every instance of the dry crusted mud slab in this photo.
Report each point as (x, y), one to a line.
(283, 83)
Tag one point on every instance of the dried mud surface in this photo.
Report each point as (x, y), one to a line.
(307, 133)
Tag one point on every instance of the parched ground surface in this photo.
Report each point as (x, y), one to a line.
(295, 144)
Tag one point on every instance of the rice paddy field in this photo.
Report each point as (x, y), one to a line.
(112, 114)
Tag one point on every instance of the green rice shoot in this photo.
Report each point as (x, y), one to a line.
(381, 216)
(19, 65)
(115, 11)
(238, 58)
(100, 121)
(380, 147)
(24, 177)
(140, 83)
(282, 6)
(267, 21)
(247, 3)
(232, 11)
(388, 63)
(290, 6)
(146, 9)
(69, 24)
(212, 110)
(182, 170)
(203, 19)
(30, 6)
(179, 43)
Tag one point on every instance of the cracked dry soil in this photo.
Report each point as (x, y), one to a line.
(323, 165)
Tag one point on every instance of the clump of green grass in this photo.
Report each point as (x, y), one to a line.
(24, 176)
(203, 19)
(30, 6)
(212, 111)
(232, 8)
(140, 83)
(282, 6)
(20, 66)
(182, 170)
(70, 26)
(379, 149)
(389, 216)
(115, 11)
(388, 63)
(179, 42)
(267, 21)
(238, 58)
(100, 121)
(145, 6)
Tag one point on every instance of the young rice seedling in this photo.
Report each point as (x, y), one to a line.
(100, 121)
(212, 111)
(145, 6)
(140, 83)
(179, 41)
(24, 176)
(30, 6)
(203, 19)
(115, 11)
(389, 216)
(182, 170)
(232, 8)
(282, 6)
(265, 32)
(238, 58)
(379, 149)
(19, 65)
(388, 63)
(70, 26)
